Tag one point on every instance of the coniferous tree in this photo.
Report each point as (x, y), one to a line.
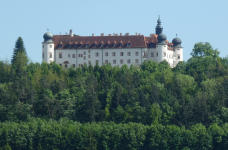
(19, 47)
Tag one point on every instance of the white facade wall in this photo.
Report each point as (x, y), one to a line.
(65, 57)
(178, 52)
(47, 52)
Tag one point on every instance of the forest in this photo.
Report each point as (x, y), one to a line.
(151, 106)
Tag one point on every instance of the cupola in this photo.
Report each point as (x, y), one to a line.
(48, 37)
(176, 42)
(162, 38)
(159, 28)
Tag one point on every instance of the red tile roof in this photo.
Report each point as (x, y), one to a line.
(137, 41)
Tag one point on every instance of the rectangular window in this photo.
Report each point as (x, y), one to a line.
(164, 55)
(121, 53)
(84, 63)
(60, 55)
(128, 61)
(114, 61)
(136, 53)
(65, 65)
(50, 46)
(43, 55)
(84, 52)
(68, 55)
(178, 56)
(128, 53)
(113, 54)
(136, 61)
(60, 65)
(74, 65)
(96, 54)
(73, 55)
(50, 54)
(106, 61)
(80, 55)
(97, 61)
(152, 54)
(84, 57)
(106, 53)
(88, 56)
(157, 54)
(89, 51)
(89, 62)
(121, 61)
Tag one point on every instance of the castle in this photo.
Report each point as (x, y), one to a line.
(74, 50)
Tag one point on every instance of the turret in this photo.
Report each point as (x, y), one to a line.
(178, 50)
(159, 28)
(48, 48)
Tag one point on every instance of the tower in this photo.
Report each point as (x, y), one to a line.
(48, 48)
(161, 47)
(159, 27)
(178, 50)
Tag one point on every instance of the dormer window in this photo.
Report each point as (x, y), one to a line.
(108, 45)
(69, 46)
(128, 44)
(94, 45)
(151, 44)
(75, 45)
(60, 45)
(121, 44)
(102, 45)
(86, 45)
(80, 45)
(114, 45)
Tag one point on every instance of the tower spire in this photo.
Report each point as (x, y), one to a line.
(159, 27)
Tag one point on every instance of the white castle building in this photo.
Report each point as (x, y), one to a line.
(73, 50)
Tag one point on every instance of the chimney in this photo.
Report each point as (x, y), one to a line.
(139, 33)
(109, 34)
(113, 34)
(116, 34)
(93, 34)
(151, 35)
(136, 33)
(71, 33)
(127, 34)
(102, 34)
(120, 34)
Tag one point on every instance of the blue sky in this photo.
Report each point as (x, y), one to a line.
(194, 21)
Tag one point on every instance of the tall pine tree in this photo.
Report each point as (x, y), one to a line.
(19, 47)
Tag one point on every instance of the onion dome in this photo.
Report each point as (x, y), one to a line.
(176, 42)
(162, 38)
(48, 37)
(159, 27)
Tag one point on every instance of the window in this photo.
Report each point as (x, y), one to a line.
(87, 45)
(136, 61)
(128, 44)
(114, 61)
(94, 45)
(73, 55)
(136, 53)
(43, 55)
(96, 54)
(106, 61)
(88, 56)
(151, 44)
(75, 46)
(80, 45)
(60, 46)
(157, 54)
(68, 55)
(178, 56)
(89, 62)
(43, 46)
(113, 54)
(84, 52)
(60, 55)
(80, 55)
(106, 53)
(114, 45)
(60, 65)
(121, 61)
(89, 51)
(128, 61)
(164, 55)
(102, 45)
(128, 53)
(50, 54)
(84, 57)
(152, 54)
(74, 65)
(97, 61)
(108, 45)
(84, 63)
(65, 65)
(121, 44)
(69, 46)
(79, 65)
(121, 53)
(50, 46)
